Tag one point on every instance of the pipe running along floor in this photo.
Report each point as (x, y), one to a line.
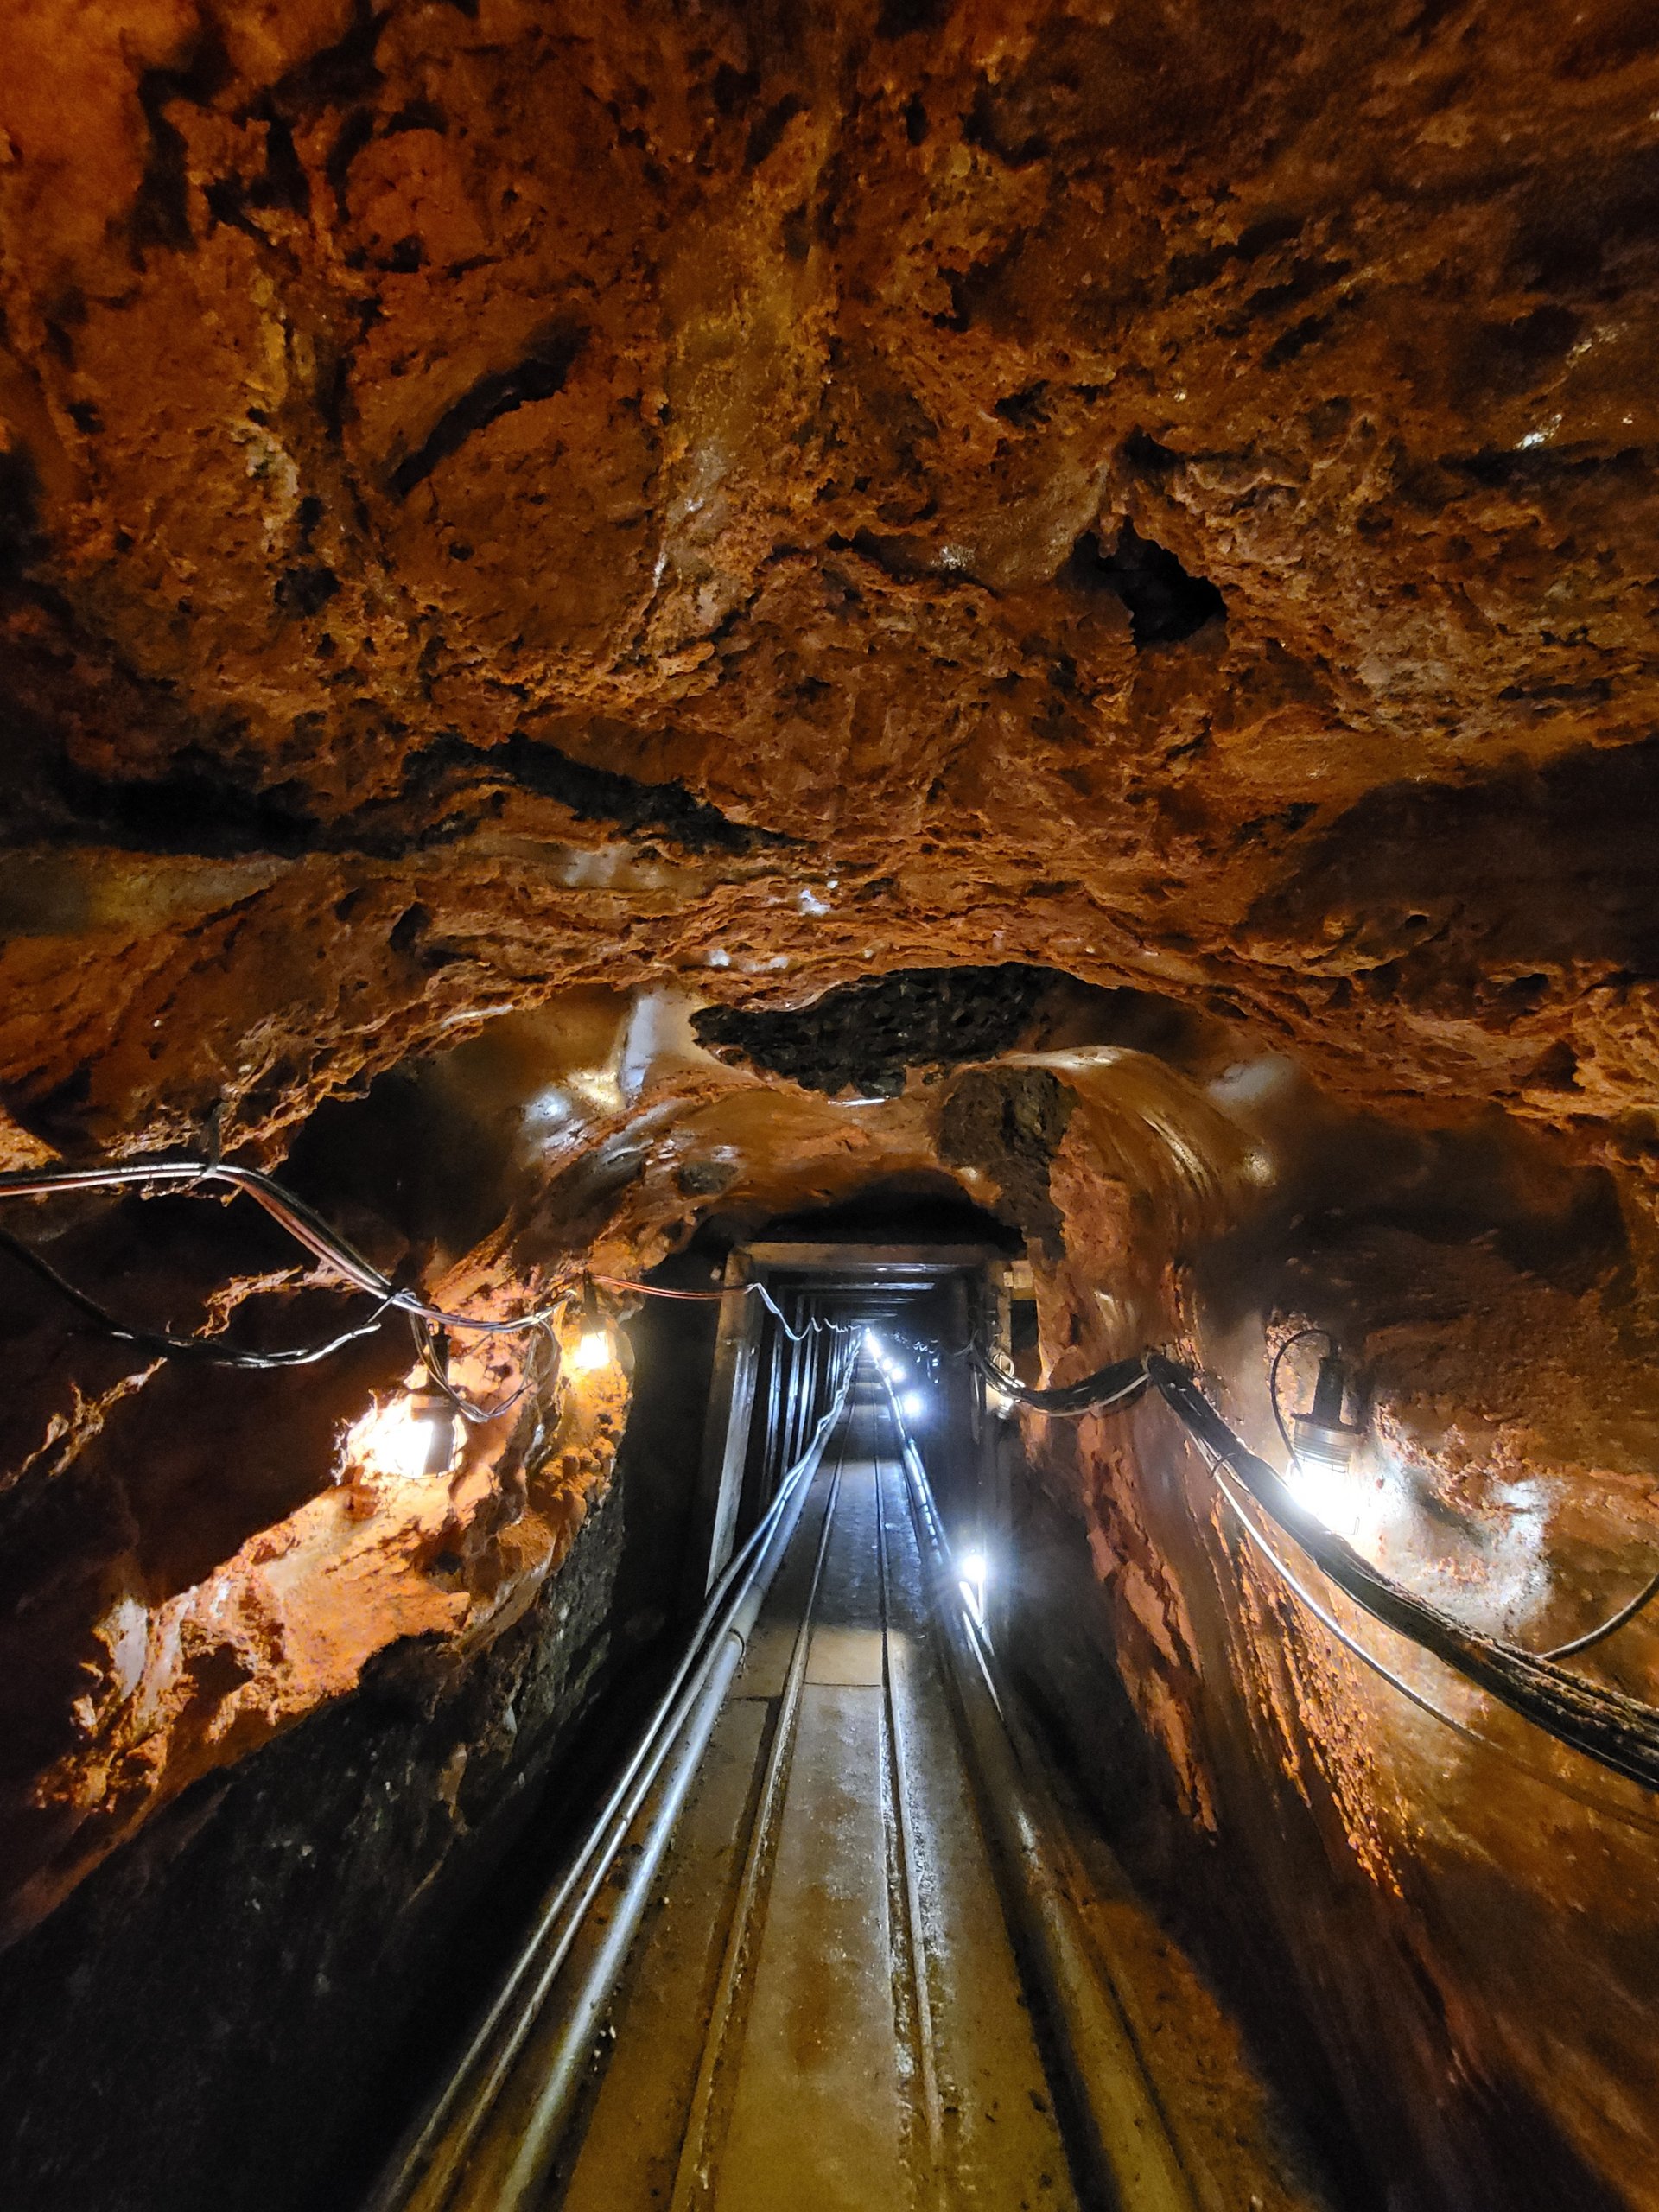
(822, 2010)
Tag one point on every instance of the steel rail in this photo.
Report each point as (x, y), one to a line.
(428, 2170)
(701, 2144)
(938, 2190)
(1124, 2156)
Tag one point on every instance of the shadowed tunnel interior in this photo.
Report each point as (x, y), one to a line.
(827, 1119)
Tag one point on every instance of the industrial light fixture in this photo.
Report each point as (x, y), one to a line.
(432, 1431)
(1322, 1438)
(432, 1410)
(913, 1405)
(410, 1436)
(594, 1347)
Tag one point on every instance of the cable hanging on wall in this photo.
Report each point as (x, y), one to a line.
(326, 1244)
(1117, 1384)
(1618, 1731)
(213, 1349)
(1328, 1620)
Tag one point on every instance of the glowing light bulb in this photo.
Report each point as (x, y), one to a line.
(974, 1567)
(404, 1439)
(913, 1405)
(873, 1344)
(593, 1351)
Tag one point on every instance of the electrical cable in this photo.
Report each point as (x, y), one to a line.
(307, 1228)
(1628, 1612)
(1114, 1385)
(813, 1325)
(1618, 1731)
(468, 1408)
(212, 1351)
(301, 1222)
(1287, 1575)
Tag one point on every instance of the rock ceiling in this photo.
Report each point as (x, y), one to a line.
(537, 542)
(502, 497)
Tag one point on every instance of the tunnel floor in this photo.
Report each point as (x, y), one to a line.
(824, 2009)
(852, 1950)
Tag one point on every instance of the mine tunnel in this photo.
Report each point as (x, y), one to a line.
(829, 1106)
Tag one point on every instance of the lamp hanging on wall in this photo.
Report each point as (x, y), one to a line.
(594, 1347)
(1322, 1438)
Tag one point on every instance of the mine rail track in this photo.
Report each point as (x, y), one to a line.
(820, 1948)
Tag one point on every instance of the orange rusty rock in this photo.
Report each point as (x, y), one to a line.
(517, 523)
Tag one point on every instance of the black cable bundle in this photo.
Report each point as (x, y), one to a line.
(213, 1351)
(1115, 1385)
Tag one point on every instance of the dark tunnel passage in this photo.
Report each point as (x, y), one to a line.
(576, 1763)
(818, 1866)
(829, 1106)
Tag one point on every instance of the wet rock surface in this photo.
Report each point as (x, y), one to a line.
(249, 1992)
(589, 598)
(1125, 500)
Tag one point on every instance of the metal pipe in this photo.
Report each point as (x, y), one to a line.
(1120, 2144)
(429, 2170)
(532, 2142)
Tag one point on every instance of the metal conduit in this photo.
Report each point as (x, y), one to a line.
(438, 2167)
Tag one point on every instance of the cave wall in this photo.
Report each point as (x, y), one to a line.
(528, 529)
(249, 1996)
(1439, 1926)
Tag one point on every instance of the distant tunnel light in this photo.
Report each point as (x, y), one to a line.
(873, 1346)
(594, 1346)
(976, 1572)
